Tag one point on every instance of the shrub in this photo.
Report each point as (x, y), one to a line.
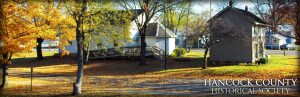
(178, 52)
(263, 61)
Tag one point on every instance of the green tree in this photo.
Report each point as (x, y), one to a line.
(149, 9)
(96, 21)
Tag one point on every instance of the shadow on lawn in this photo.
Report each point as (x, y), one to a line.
(111, 66)
(47, 61)
(106, 67)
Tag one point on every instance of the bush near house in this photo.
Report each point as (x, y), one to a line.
(262, 61)
(178, 52)
(298, 49)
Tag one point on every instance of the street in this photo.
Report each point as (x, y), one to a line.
(269, 52)
(281, 52)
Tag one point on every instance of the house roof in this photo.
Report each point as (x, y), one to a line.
(246, 14)
(153, 29)
(158, 30)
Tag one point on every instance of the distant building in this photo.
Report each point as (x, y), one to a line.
(180, 39)
(282, 39)
(231, 49)
(154, 36)
(49, 43)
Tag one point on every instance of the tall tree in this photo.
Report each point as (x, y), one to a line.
(47, 18)
(275, 12)
(17, 33)
(175, 16)
(149, 8)
(189, 8)
(78, 13)
(19, 30)
(99, 23)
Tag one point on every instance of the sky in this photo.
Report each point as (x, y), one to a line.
(218, 5)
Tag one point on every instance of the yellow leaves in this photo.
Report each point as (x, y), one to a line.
(16, 34)
(5, 61)
(23, 23)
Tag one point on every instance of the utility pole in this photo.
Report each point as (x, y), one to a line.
(165, 38)
(31, 73)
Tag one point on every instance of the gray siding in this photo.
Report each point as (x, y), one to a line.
(234, 48)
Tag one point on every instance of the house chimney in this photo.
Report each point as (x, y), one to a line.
(246, 8)
(230, 3)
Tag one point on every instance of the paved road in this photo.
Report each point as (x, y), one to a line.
(196, 87)
(270, 52)
(178, 87)
(287, 52)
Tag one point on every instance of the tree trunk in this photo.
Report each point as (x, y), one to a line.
(85, 51)
(4, 71)
(39, 53)
(4, 76)
(298, 23)
(78, 83)
(143, 50)
(79, 39)
(204, 65)
(86, 56)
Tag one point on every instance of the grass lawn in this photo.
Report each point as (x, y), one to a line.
(279, 66)
(54, 75)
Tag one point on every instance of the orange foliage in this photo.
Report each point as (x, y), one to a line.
(23, 22)
(17, 31)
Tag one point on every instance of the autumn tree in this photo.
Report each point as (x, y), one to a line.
(178, 18)
(106, 27)
(276, 12)
(48, 19)
(17, 33)
(149, 8)
(174, 16)
(22, 23)
(96, 21)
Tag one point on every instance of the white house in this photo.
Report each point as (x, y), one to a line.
(282, 39)
(50, 43)
(275, 41)
(155, 35)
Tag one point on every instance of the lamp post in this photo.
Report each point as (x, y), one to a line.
(165, 38)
